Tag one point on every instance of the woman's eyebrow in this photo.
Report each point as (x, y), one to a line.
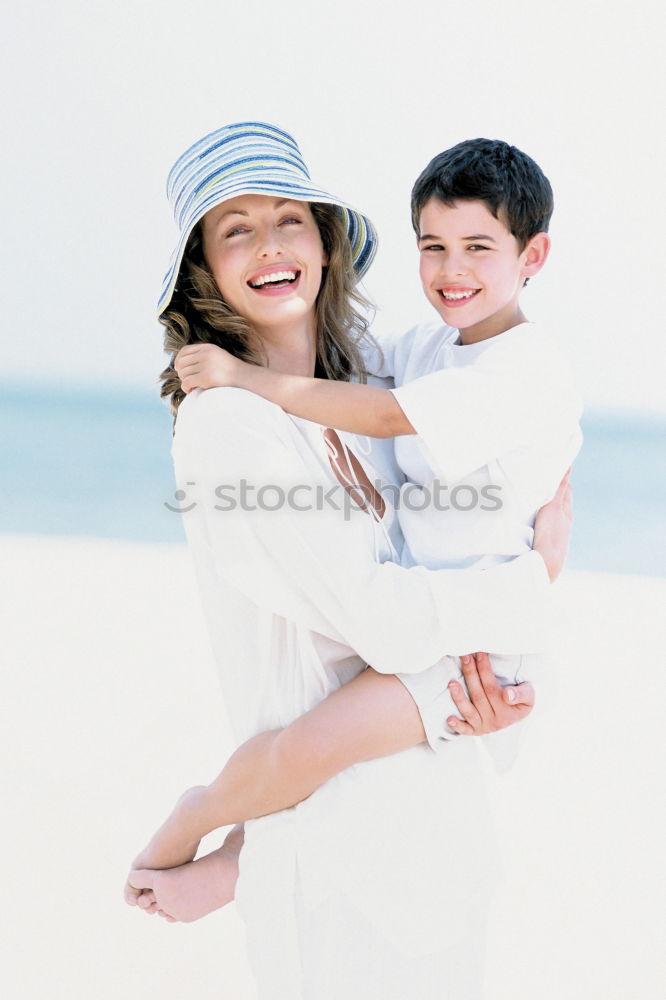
(240, 211)
(231, 211)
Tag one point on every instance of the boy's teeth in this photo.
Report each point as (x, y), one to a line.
(275, 276)
(458, 295)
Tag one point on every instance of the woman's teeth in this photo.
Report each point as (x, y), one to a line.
(272, 279)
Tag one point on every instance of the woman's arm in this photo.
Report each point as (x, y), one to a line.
(312, 563)
(370, 717)
(282, 564)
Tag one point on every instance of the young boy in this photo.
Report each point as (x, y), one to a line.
(486, 423)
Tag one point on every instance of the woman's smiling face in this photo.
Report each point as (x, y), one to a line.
(266, 256)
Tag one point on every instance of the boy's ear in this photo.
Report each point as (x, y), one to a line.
(535, 254)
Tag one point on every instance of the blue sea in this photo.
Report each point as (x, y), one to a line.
(96, 462)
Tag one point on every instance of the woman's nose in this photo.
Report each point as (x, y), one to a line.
(268, 242)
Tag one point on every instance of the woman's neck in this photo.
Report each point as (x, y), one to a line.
(292, 354)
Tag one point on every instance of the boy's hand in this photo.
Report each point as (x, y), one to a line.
(489, 706)
(552, 529)
(205, 366)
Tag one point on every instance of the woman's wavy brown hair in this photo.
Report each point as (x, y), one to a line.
(197, 313)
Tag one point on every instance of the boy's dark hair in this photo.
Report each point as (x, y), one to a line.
(491, 171)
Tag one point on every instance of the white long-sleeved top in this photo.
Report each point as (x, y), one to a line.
(297, 602)
(497, 425)
(317, 568)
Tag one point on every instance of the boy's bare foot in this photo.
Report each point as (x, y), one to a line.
(169, 847)
(192, 890)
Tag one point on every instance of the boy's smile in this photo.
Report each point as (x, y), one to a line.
(471, 267)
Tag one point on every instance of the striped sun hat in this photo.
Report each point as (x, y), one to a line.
(249, 158)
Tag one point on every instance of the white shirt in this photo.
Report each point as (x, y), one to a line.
(297, 604)
(316, 569)
(497, 426)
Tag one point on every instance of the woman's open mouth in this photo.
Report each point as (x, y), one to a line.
(275, 282)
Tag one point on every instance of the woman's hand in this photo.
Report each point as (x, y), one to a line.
(206, 366)
(489, 706)
(552, 529)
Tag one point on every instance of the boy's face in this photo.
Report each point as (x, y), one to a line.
(471, 268)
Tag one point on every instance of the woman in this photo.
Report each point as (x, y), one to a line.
(378, 883)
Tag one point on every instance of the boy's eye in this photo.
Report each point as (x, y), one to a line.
(432, 246)
(478, 246)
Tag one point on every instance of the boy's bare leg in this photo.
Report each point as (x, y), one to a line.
(380, 719)
(372, 716)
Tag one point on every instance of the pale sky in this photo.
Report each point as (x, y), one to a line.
(103, 96)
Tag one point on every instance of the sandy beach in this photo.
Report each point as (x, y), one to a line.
(111, 706)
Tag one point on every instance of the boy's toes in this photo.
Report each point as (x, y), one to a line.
(131, 894)
(147, 900)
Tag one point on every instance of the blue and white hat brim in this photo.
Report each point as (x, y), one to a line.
(250, 158)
